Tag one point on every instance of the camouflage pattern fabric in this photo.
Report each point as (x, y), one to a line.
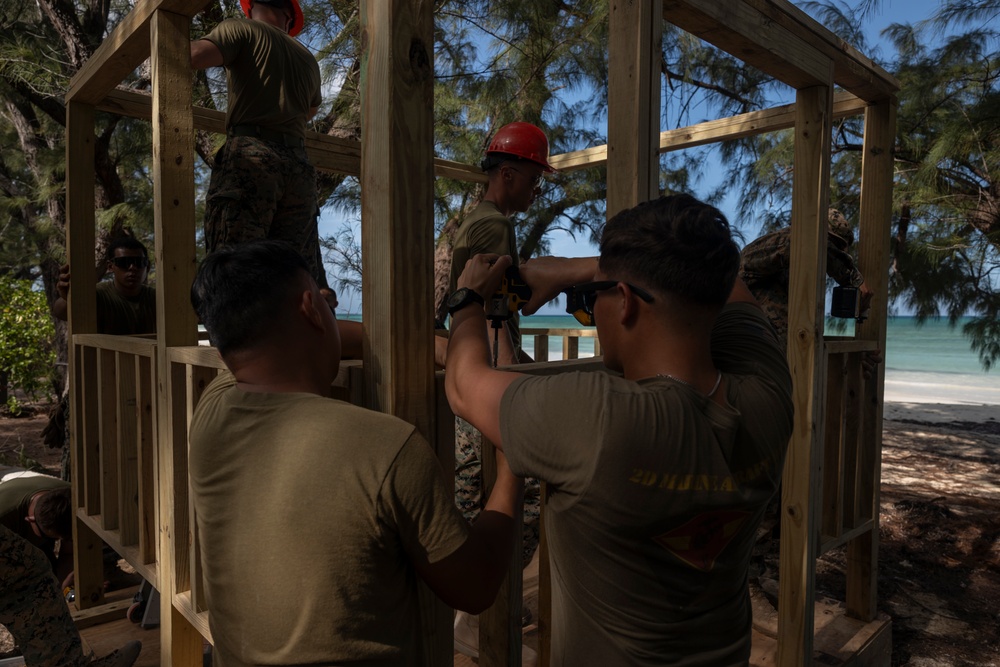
(765, 270)
(468, 486)
(263, 190)
(32, 608)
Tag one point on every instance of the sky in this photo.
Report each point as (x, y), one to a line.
(563, 244)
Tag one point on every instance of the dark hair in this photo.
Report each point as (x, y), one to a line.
(240, 292)
(673, 244)
(54, 512)
(127, 242)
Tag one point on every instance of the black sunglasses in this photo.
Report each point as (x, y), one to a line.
(129, 262)
(580, 299)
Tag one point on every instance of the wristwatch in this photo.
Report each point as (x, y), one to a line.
(462, 298)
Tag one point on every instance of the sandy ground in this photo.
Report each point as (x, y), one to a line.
(939, 557)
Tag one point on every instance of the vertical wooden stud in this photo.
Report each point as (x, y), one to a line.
(800, 497)
(397, 234)
(173, 218)
(873, 261)
(636, 30)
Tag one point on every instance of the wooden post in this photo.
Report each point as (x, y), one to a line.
(873, 262)
(397, 234)
(173, 217)
(82, 303)
(636, 30)
(807, 285)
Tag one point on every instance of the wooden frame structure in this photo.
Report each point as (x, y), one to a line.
(132, 397)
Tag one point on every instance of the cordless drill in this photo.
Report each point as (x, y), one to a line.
(513, 294)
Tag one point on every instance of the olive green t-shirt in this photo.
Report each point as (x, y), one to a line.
(655, 496)
(273, 80)
(125, 316)
(15, 496)
(485, 230)
(311, 513)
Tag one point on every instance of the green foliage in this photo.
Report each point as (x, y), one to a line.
(26, 333)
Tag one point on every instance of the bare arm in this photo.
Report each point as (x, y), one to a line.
(205, 54)
(60, 309)
(351, 339)
(469, 578)
(548, 276)
(473, 386)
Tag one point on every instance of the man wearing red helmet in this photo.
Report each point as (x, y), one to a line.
(263, 185)
(515, 161)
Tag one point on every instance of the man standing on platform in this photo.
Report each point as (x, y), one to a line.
(263, 185)
(658, 473)
(515, 161)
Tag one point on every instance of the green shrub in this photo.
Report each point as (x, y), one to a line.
(27, 355)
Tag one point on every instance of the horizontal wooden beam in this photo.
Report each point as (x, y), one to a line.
(327, 153)
(740, 29)
(712, 131)
(853, 71)
(344, 155)
(123, 50)
(782, 40)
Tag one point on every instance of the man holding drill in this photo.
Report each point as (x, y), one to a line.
(658, 473)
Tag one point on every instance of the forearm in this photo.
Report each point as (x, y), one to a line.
(548, 276)
(351, 339)
(60, 309)
(468, 355)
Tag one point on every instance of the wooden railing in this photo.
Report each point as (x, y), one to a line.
(116, 479)
(570, 342)
(114, 459)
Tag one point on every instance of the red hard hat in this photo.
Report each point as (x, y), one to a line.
(522, 140)
(296, 10)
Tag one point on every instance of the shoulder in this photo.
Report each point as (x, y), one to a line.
(486, 213)
(32, 484)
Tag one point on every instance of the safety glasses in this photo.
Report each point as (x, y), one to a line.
(126, 263)
(580, 299)
(536, 181)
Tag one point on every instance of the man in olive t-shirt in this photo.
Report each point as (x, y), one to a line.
(316, 517)
(657, 477)
(263, 185)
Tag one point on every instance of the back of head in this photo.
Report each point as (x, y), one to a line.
(674, 244)
(54, 513)
(242, 292)
(128, 243)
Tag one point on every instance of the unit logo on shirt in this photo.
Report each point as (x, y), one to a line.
(700, 541)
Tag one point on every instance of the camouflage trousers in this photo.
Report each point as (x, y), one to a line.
(262, 190)
(33, 609)
(469, 486)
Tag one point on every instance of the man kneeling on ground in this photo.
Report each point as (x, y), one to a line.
(316, 517)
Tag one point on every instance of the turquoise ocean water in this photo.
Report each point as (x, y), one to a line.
(931, 363)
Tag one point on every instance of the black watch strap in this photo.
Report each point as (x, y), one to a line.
(462, 298)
